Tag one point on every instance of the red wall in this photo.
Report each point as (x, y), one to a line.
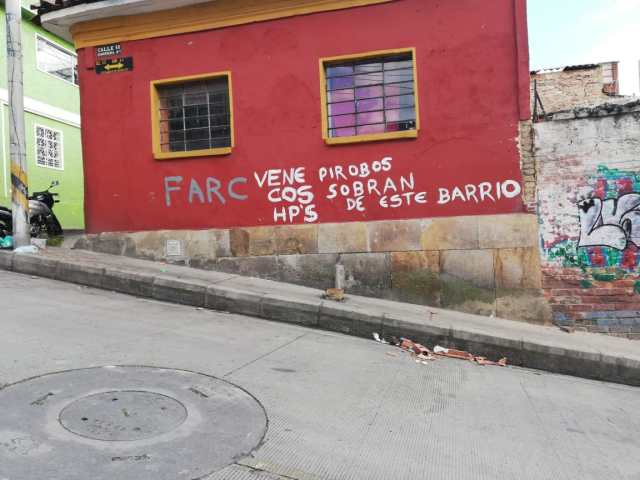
(469, 60)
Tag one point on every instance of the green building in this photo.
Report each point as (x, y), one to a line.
(52, 119)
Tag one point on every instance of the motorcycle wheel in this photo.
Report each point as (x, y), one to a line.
(36, 226)
(54, 229)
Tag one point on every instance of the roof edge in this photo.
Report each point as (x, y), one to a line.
(109, 21)
(570, 68)
(627, 105)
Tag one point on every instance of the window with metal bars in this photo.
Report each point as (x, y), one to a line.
(195, 115)
(370, 96)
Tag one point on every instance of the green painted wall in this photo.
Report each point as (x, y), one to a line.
(57, 93)
(70, 210)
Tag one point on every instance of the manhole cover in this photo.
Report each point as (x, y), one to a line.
(125, 422)
(123, 415)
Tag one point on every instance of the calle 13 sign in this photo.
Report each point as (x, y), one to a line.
(111, 50)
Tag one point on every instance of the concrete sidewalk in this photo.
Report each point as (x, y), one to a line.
(546, 348)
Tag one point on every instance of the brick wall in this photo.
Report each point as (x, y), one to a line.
(528, 165)
(570, 88)
(588, 174)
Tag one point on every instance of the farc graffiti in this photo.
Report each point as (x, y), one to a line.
(609, 217)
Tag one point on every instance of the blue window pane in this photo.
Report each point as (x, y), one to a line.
(369, 67)
(398, 76)
(368, 79)
(339, 71)
(338, 83)
(398, 65)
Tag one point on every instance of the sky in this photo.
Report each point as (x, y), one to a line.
(574, 32)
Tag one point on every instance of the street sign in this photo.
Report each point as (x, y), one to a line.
(114, 65)
(110, 50)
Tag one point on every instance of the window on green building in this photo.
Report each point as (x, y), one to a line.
(49, 148)
(56, 61)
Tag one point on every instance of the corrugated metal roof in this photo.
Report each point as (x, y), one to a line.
(586, 66)
(569, 68)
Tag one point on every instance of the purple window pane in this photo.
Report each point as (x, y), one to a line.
(340, 95)
(398, 76)
(401, 115)
(342, 121)
(398, 89)
(367, 129)
(342, 108)
(339, 82)
(369, 67)
(368, 79)
(371, 117)
(398, 65)
(338, 71)
(368, 92)
(399, 102)
(342, 132)
(370, 104)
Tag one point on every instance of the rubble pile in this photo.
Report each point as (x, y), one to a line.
(424, 355)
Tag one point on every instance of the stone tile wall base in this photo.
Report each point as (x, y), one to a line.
(487, 265)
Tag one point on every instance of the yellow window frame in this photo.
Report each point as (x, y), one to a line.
(158, 154)
(324, 62)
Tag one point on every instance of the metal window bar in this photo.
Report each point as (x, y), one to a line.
(377, 71)
(183, 100)
(413, 103)
(360, 74)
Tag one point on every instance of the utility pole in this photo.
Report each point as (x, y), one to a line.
(17, 148)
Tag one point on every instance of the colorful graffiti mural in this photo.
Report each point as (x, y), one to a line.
(588, 194)
(609, 219)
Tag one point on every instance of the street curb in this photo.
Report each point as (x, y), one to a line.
(327, 315)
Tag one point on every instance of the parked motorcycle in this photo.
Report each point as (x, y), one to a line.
(44, 222)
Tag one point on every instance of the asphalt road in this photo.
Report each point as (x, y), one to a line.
(338, 407)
